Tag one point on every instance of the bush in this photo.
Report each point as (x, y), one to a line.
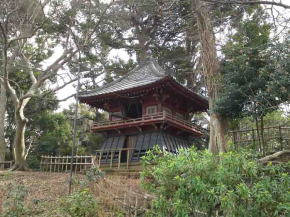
(94, 174)
(13, 205)
(230, 184)
(80, 204)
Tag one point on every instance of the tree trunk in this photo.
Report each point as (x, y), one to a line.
(142, 46)
(211, 68)
(3, 99)
(19, 140)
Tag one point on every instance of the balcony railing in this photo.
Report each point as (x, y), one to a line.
(161, 116)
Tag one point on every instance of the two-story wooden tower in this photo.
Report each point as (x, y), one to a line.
(146, 107)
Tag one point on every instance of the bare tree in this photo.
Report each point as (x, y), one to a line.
(22, 23)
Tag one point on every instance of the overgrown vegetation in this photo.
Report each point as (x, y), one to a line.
(14, 201)
(80, 204)
(228, 184)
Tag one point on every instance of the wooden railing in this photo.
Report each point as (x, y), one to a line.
(66, 163)
(111, 155)
(274, 138)
(157, 117)
(5, 164)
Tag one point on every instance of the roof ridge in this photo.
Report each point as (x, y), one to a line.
(151, 61)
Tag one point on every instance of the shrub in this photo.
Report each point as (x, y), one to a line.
(14, 205)
(230, 184)
(80, 204)
(94, 174)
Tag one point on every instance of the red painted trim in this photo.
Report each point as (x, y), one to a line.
(147, 122)
(201, 103)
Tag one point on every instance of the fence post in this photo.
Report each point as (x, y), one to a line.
(253, 138)
(235, 139)
(119, 160)
(50, 164)
(41, 163)
(63, 163)
(136, 206)
(100, 158)
(111, 162)
(66, 161)
(76, 163)
(281, 138)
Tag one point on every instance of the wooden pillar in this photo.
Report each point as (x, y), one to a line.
(128, 158)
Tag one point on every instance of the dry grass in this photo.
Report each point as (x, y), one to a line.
(46, 189)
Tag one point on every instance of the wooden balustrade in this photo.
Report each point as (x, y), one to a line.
(161, 116)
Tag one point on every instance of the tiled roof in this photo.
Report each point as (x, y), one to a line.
(146, 73)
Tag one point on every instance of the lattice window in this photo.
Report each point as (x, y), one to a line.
(116, 116)
(151, 110)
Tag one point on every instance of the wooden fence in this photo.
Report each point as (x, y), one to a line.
(275, 138)
(66, 163)
(5, 164)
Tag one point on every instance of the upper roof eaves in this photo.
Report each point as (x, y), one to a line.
(146, 73)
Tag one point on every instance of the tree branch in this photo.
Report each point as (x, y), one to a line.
(249, 2)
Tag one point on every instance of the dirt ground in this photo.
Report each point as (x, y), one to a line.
(44, 190)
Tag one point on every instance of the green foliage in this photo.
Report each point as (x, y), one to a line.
(94, 174)
(255, 71)
(14, 201)
(80, 204)
(229, 184)
(56, 134)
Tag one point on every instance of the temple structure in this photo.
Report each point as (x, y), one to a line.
(146, 107)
